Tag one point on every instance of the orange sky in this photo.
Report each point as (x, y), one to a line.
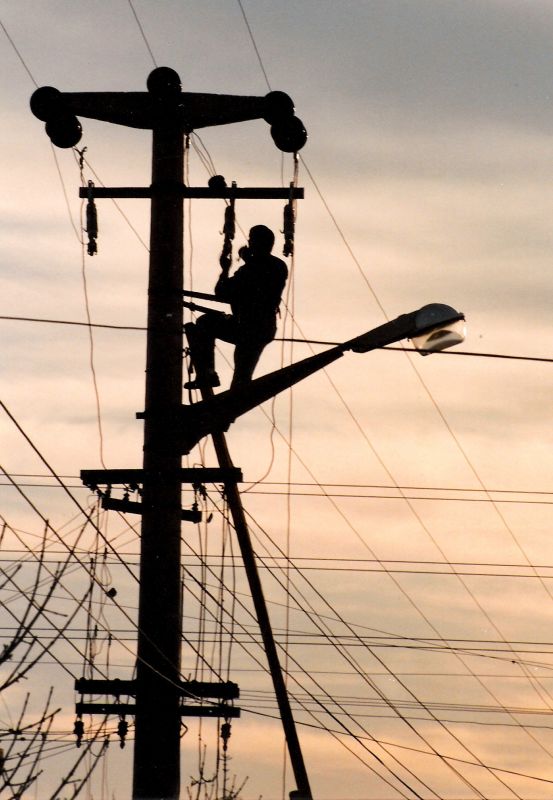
(430, 144)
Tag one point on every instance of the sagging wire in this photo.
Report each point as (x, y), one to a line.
(91, 244)
(203, 155)
(223, 729)
(344, 727)
(289, 216)
(302, 603)
(347, 730)
(212, 606)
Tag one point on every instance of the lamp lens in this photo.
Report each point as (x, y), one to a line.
(441, 337)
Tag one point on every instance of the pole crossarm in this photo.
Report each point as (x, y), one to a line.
(224, 690)
(165, 106)
(135, 477)
(197, 192)
(122, 709)
(146, 110)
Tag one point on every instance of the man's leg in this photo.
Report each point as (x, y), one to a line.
(201, 338)
(246, 356)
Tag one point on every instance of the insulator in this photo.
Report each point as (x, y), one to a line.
(279, 106)
(164, 82)
(217, 182)
(122, 730)
(62, 126)
(229, 230)
(64, 130)
(225, 734)
(230, 221)
(289, 135)
(289, 229)
(91, 222)
(78, 730)
(46, 103)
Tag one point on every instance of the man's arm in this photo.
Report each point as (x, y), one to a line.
(280, 274)
(223, 285)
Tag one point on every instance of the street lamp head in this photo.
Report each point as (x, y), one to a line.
(431, 328)
(437, 327)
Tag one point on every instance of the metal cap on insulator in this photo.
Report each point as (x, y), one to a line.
(217, 182)
(122, 730)
(279, 106)
(78, 730)
(289, 135)
(164, 82)
(62, 126)
(64, 130)
(46, 103)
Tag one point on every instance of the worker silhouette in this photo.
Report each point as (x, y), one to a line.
(254, 293)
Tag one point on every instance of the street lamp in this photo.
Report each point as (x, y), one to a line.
(433, 327)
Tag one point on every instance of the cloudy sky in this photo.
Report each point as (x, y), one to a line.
(425, 544)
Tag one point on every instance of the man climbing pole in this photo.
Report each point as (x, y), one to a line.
(254, 293)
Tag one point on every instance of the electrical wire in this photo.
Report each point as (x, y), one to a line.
(141, 29)
(289, 339)
(302, 601)
(434, 403)
(240, 6)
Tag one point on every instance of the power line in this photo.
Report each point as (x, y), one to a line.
(72, 322)
(296, 340)
(390, 487)
(141, 29)
(18, 54)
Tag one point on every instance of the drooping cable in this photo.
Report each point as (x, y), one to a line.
(141, 29)
(89, 323)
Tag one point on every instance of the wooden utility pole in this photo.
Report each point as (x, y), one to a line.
(171, 115)
(156, 770)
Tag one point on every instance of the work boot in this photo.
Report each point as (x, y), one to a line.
(206, 379)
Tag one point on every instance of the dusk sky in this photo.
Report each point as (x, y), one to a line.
(412, 494)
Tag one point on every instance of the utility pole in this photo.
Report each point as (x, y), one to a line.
(156, 770)
(171, 115)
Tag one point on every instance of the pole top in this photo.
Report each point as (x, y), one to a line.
(165, 105)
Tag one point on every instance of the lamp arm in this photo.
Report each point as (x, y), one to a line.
(388, 333)
(218, 412)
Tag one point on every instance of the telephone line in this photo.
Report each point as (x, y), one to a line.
(13, 318)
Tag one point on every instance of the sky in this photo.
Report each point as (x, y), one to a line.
(413, 495)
